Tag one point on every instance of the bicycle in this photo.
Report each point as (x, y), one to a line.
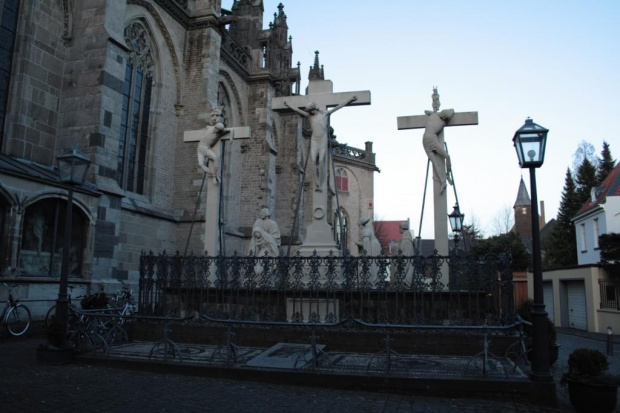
(73, 310)
(518, 352)
(87, 333)
(127, 306)
(16, 316)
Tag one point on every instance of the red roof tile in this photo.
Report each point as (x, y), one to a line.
(610, 187)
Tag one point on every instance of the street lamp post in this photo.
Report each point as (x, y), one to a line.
(456, 224)
(530, 141)
(72, 167)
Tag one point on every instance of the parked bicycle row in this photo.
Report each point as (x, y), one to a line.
(121, 303)
(95, 324)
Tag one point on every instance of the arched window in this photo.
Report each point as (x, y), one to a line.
(342, 180)
(340, 229)
(224, 102)
(43, 238)
(133, 136)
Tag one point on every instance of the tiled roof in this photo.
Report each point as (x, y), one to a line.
(523, 197)
(388, 231)
(609, 187)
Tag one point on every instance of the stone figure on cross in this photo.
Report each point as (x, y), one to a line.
(433, 123)
(213, 132)
(319, 138)
(434, 147)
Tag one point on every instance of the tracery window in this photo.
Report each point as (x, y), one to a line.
(342, 180)
(43, 238)
(137, 89)
(224, 103)
(340, 229)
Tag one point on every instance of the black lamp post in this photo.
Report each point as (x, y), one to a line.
(530, 141)
(456, 224)
(72, 167)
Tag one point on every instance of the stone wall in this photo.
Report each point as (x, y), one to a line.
(38, 63)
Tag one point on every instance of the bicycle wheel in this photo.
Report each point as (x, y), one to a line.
(80, 340)
(97, 343)
(17, 319)
(50, 313)
(116, 335)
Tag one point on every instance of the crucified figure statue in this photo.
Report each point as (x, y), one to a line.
(213, 132)
(318, 144)
(433, 147)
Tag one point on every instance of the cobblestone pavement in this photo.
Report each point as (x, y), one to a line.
(30, 387)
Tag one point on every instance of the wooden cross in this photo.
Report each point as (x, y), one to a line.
(440, 200)
(212, 214)
(321, 93)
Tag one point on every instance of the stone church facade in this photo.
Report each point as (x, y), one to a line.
(121, 81)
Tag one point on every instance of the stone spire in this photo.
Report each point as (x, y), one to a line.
(279, 18)
(523, 216)
(523, 197)
(316, 71)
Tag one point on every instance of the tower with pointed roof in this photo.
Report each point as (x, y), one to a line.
(523, 214)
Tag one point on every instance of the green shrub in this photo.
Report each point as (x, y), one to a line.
(586, 363)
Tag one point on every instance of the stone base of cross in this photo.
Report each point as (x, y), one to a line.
(212, 234)
(440, 199)
(319, 234)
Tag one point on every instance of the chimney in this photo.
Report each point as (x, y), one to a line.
(541, 215)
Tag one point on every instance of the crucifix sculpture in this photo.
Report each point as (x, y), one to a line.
(319, 97)
(210, 151)
(433, 122)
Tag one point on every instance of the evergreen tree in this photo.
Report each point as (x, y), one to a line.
(585, 180)
(560, 248)
(605, 165)
(569, 204)
(521, 258)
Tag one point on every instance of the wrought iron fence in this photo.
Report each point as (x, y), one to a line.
(398, 289)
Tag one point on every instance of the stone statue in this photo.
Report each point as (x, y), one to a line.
(319, 138)
(212, 134)
(435, 96)
(370, 243)
(268, 225)
(407, 250)
(434, 148)
(263, 244)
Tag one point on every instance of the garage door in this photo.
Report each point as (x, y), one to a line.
(548, 297)
(576, 297)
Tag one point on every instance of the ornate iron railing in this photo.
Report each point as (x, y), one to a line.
(399, 290)
(348, 152)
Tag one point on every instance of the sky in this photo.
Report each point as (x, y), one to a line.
(556, 61)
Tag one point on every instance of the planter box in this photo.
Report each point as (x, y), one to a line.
(587, 397)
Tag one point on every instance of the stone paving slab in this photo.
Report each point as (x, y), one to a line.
(285, 356)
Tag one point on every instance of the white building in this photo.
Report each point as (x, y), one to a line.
(600, 215)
